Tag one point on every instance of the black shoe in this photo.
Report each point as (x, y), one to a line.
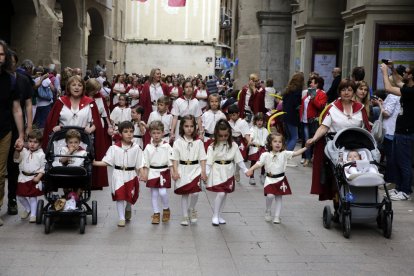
(12, 207)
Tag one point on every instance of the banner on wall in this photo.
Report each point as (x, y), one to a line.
(324, 63)
(401, 53)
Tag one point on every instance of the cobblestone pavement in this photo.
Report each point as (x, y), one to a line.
(247, 245)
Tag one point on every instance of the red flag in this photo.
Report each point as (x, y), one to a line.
(176, 3)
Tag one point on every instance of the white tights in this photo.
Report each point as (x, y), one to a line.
(159, 192)
(278, 205)
(120, 206)
(184, 203)
(29, 204)
(219, 204)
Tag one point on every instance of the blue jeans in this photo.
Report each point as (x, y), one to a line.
(403, 149)
(306, 136)
(292, 132)
(41, 115)
(389, 157)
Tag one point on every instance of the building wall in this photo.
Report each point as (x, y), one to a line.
(185, 59)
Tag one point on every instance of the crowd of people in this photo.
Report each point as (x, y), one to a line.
(191, 133)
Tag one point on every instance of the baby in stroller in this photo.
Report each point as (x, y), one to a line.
(361, 165)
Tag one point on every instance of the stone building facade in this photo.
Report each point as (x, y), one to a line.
(72, 33)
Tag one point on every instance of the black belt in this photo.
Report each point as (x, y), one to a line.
(275, 175)
(253, 145)
(206, 134)
(223, 162)
(138, 136)
(122, 168)
(159, 167)
(28, 174)
(166, 135)
(188, 162)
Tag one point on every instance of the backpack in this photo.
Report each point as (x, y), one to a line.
(378, 130)
(45, 93)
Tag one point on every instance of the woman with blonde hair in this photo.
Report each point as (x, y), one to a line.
(153, 89)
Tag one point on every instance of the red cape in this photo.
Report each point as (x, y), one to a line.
(145, 99)
(99, 174)
(327, 190)
(256, 101)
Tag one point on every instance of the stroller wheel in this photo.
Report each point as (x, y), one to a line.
(387, 224)
(94, 212)
(327, 217)
(82, 224)
(39, 211)
(346, 225)
(47, 224)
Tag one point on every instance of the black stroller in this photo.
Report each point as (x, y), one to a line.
(359, 199)
(67, 178)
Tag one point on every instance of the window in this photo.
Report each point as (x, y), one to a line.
(352, 51)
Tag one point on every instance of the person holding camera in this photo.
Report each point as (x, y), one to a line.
(251, 98)
(404, 129)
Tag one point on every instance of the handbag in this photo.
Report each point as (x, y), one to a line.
(378, 130)
(45, 93)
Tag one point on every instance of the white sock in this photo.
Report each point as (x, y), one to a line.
(218, 203)
(164, 198)
(33, 206)
(154, 199)
(269, 201)
(222, 204)
(278, 205)
(24, 202)
(184, 205)
(120, 206)
(193, 200)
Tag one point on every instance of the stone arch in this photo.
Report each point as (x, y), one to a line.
(96, 38)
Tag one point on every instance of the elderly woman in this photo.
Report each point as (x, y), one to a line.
(76, 109)
(342, 113)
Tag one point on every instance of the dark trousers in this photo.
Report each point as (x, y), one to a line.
(12, 170)
(403, 150)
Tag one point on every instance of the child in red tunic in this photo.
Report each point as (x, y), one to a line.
(32, 167)
(276, 184)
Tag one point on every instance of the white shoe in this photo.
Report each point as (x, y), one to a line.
(400, 196)
(276, 220)
(25, 214)
(193, 215)
(215, 221)
(391, 192)
(252, 181)
(32, 219)
(268, 216)
(262, 179)
(291, 163)
(221, 220)
(302, 160)
(185, 221)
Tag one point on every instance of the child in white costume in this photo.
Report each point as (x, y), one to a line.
(222, 156)
(185, 105)
(73, 148)
(139, 126)
(32, 168)
(257, 146)
(276, 184)
(189, 167)
(121, 112)
(211, 117)
(161, 114)
(157, 155)
(124, 159)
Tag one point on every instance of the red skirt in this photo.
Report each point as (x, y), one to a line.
(227, 186)
(256, 156)
(190, 188)
(28, 189)
(279, 188)
(156, 182)
(128, 192)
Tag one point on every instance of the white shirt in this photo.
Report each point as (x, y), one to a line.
(75, 117)
(120, 114)
(165, 118)
(30, 162)
(240, 127)
(392, 106)
(246, 102)
(269, 100)
(305, 109)
(210, 119)
(336, 120)
(182, 107)
(156, 92)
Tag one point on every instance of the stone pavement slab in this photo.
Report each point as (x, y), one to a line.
(246, 245)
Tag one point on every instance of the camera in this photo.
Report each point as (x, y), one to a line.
(386, 61)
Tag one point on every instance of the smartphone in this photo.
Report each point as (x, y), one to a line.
(386, 61)
(374, 97)
(312, 92)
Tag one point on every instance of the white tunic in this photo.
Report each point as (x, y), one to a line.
(125, 156)
(202, 102)
(101, 108)
(258, 137)
(188, 150)
(134, 91)
(157, 156)
(275, 163)
(137, 132)
(240, 127)
(209, 120)
(156, 92)
(336, 120)
(269, 100)
(120, 114)
(72, 162)
(120, 89)
(30, 162)
(75, 117)
(182, 107)
(165, 118)
(221, 173)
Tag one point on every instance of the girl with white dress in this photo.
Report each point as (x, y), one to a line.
(120, 114)
(162, 114)
(139, 126)
(222, 156)
(119, 88)
(124, 162)
(274, 162)
(32, 167)
(134, 92)
(211, 117)
(189, 167)
(201, 95)
(257, 146)
(185, 105)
